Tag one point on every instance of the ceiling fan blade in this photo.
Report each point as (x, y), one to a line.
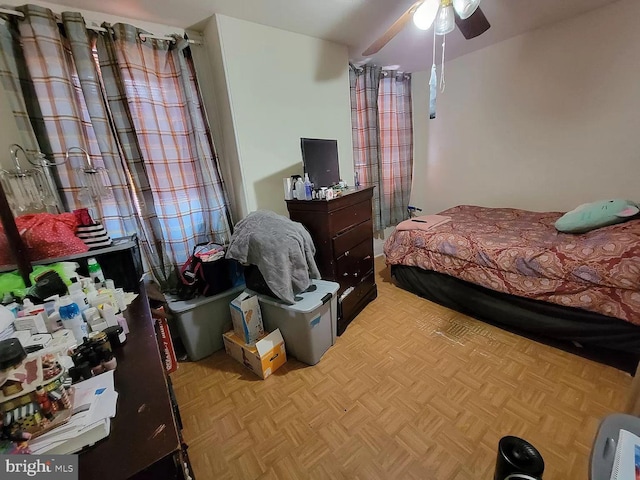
(393, 30)
(473, 26)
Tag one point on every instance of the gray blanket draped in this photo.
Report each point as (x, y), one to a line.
(282, 249)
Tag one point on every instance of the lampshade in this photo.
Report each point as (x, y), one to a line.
(465, 8)
(425, 14)
(445, 20)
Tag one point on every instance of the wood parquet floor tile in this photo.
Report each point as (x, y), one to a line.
(410, 390)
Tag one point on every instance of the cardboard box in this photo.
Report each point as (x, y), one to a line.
(166, 344)
(33, 323)
(264, 358)
(247, 318)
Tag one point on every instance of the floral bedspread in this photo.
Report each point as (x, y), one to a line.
(521, 253)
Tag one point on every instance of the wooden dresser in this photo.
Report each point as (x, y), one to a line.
(342, 230)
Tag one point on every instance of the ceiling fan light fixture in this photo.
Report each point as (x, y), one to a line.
(426, 13)
(445, 20)
(465, 8)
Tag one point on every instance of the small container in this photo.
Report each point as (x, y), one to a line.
(116, 336)
(75, 373)
(90, 314)
(95, 272)
(101, 345)
(120, 298)
(85, 370)
(288, 188)
(110, 364)
(72, 319)
(11, 353)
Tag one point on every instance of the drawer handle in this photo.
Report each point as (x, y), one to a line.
(346, 254)
(367, 257)
(355, 274)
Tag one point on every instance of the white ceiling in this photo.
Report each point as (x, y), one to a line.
(355, 23)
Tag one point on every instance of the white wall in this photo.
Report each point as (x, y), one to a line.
(215, 93)
(543, 121)
(280, 86)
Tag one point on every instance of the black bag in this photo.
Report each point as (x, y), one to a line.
(200, 277)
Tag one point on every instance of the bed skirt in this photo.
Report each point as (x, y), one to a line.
(605, 339)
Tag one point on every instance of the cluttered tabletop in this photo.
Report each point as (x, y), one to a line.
(81, 372)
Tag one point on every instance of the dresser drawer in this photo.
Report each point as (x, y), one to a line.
(348, 217)
(355, 263)
(352, 237)
(352, 301)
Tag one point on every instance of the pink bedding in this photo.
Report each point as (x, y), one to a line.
(521, 253)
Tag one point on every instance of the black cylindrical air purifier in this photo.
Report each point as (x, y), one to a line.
(518, 460)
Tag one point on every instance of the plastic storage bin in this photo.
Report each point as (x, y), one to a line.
(202, 321)
(308, 326)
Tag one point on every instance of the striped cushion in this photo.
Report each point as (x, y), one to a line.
(94, 236)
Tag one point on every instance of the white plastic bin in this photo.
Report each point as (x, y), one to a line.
(202, 321)
(308, 326)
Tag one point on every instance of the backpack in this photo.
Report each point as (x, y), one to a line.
(198, 276)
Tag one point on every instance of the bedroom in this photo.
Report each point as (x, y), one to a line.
(547, 123)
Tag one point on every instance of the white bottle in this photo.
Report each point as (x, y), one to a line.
(92, 293)
(308, 189)
(108, 313)
(72, 319)
(78, 296)
(288, 188)
(95, 272)
(300, 194)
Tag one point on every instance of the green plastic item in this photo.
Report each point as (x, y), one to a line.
(12, 283)
(56, 267)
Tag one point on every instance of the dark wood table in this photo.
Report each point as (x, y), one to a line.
(145, 440)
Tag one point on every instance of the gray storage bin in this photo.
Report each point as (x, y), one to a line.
(202, 321)
(308, 326)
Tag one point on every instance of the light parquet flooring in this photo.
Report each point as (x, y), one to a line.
(410, 390)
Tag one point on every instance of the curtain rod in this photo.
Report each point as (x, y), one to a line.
(95, 28)
(144, 36)
(101, 29)
(12, 12)
(21, 15)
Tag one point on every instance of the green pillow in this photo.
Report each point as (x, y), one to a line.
(590, 216)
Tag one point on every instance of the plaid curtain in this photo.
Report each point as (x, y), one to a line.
(396, 146)
(152, 90)
(135, 107)
(382, 133)
(114, 91)
(365, 83)
(16, 84)
(57, 66)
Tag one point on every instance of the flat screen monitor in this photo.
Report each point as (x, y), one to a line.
(320, 159)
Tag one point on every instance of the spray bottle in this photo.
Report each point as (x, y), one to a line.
(308, 187)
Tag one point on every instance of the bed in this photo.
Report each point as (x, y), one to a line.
(513, 268)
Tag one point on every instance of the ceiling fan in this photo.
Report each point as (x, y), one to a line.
(445, 14)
